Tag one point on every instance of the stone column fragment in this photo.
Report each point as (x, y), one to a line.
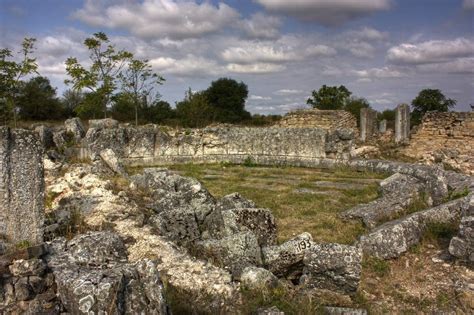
(21, 187)
(368, 124)
(402, 123)
(383, 126)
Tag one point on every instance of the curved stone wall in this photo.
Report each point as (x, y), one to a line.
(154, 145)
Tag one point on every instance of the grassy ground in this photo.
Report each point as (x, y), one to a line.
(302, 200)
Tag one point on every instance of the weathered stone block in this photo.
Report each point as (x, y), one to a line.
(21, 186)
(286, 260)
(332, 267)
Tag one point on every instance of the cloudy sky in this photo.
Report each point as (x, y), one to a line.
(383, 50)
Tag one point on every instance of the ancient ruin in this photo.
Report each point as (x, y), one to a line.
(111, 239)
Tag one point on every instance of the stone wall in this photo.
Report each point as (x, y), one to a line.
(154, 145)
(21, 187)
(315, 118)
(445, 137)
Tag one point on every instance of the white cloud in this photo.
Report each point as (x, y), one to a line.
(261, 26)
(189, 66)
(259, 98)
(369, 34)
(468, 4)
(458, 66)
(326, 12)
(378, 73)
(361, 49)
(255, 68)
(257, 52)
(288, 92)
(157, 18)
(432, 51)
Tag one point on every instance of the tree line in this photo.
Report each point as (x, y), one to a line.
(116, 84)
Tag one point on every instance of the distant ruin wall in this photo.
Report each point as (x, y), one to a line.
(152, 144)
(315, 118)
(445, 137)
(21, 187)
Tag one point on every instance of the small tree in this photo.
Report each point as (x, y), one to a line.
(195, 110)
(71, 100)
(354, 105)
(430, 100)
(329, 97)
(36, 100)
(138, 80)
(227, 98)
(100, 78)
(11, 75)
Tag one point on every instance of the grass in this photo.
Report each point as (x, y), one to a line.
(276, 188)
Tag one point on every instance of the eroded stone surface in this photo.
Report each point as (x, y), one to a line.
(75, 127)
(393, 238)
(92, 275)
(398, 191)
(333, 267)
(462, 245)
(21, 187)
(286, 260)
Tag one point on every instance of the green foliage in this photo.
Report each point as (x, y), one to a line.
(37, 100)
(159, 112)
(263, 120)
(440, 232)
(249, 162)
(330, 97)
(227, 99)
(430, 100)
(71, 100)
(376, 265)
(23, 244)
(101, 76)
(11, 74)
(138, 81)
(388, 114)
(354, 105)
(91, 106)
(194, 111)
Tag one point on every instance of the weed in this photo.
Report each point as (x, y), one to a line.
(23, 244)
(49, 198)
(440, 232)
(376, 265)
(249, 162)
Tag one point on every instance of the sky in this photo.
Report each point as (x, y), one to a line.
(386, 51)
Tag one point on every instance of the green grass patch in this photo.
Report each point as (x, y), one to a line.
(276, 188)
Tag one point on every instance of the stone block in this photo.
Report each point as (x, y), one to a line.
(21, 186)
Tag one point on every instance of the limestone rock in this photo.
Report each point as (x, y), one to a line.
(60, 139)
(234, 201)
(45, 135)
(286, 260)
(29, 267)
(105, 123)
(21, 186)
(255, 278)
(333, 267)
(343, 311)
(270, 311)
(462, 245)
(258, 221)
(92, 275)
(112, 161)
(398, 192)
(76, 128)
(235, 252)
(393, 238)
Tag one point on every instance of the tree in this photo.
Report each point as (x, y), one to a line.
(430, 100)
(71, 100)
(11, 75)
(91, 106)
(36, 100)
(195, 111)
(329, 97)
(354, 105)
(227, 98)
(101, 76)
(159, 112)
(138, 80)
(388, 115)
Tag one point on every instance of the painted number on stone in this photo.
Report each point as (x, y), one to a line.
(304, 244)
